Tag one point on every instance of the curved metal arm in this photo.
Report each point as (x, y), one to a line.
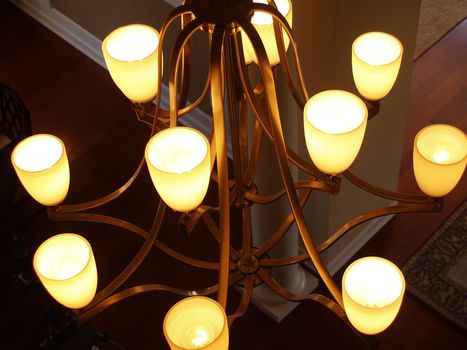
(129, 292)
(328, 303)
(395, 209)
(188, 260)
(277, 288)
(217, 95)
(260, 115)
(147, 117)
(185, 75)
(177, 52)
(99, 218)
(73, 208)
(173, 15)
(381, 192)
(300, 94)
(283, 228)
(304, 184)
(282, 156)
(255, 152)
(214, 230)
(137, 260)
(88, 314)
(245, 301)
(109, 220)
(372, 214)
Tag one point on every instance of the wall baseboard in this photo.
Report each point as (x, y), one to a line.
(88, 44)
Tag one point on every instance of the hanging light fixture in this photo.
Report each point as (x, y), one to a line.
(181, 161)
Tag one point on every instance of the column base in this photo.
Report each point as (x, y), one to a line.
(277, 307)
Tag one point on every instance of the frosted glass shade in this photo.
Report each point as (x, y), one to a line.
(376, 59)
(264, 25)
(197, 323)
(179, 163)
(439, 158)
(131, 55)
(372, 290)
(247, 48)
(66, 267)
(334, 125)
(41, 163)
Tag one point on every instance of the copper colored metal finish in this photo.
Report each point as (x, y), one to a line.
(248, 264)
(252, 112)
(222, 12)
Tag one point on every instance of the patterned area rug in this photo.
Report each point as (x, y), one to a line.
(437, 17)
(437, 273)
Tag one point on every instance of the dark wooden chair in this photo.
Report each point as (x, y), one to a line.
(15, 125)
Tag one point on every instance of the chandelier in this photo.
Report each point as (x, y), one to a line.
(182, 163)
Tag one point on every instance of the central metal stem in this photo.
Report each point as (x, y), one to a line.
(222, 12)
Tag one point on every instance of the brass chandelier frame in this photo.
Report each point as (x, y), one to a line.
(228, 81)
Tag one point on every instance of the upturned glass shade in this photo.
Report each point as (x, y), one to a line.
(334, 125)
(66, 267)
(372, 290)
(376, 59)
(179, 163)
(439, 158)
(197, 323)
(264, 25)
(131, 55)
(41, 163)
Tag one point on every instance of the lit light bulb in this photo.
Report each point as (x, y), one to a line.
(439, 158)
(263, 23)
(66, 267)
(179, 163)
(200, 338)
(376, 59)
(372, 291)
(131, 55)
(41, 163)
(334, 125)
(196, 322)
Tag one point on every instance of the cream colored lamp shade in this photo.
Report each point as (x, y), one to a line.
(131, 55)
(334, 125)
(197, 323)
(66, 267)
(41, 163)
(247, 47)
(372, 290)
(264, 25)
(439, 158)
(179, 163)
(376, 59)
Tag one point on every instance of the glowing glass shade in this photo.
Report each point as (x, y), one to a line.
(66, 267)
(376, 59)
(179, 162)
(41, 163)
(372, 290)
(439, 158)
(334, 124)
(197, 323)
(131, 55)
(247, 47)
(264, 25)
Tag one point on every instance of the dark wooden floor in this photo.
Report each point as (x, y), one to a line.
(72, 97)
